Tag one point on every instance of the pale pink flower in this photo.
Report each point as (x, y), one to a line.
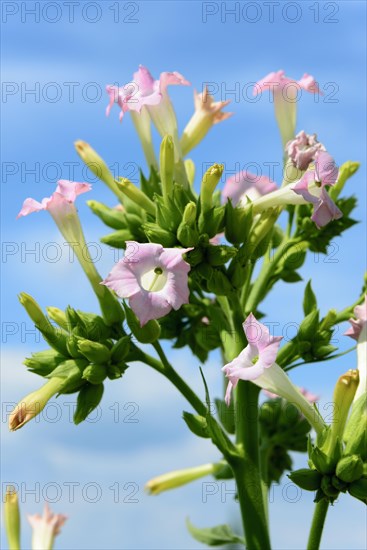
(277, 81)
(45, 528)
(302, 149)
(142, 90)
(258, 355)
(325, 173)
(61, 201)
(244, 185)
(153, 278)
(360, 322)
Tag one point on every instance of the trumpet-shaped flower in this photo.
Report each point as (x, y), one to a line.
(207, 113)
(285, 93)
(45, 528)
(325, 173)
(358, 331)
(302, 149)
(309, 189)
(244, 185)
(256, 363)
(153, 278)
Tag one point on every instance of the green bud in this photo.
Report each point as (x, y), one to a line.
(116, 371)
(94, 162)
(328, 488)
(322, 350)
(211, 220)
(263, 227)
(322, 462)
(12, 518)
(70, 372)
(329, 320)
(88, 399)
(195, 257)
(44, 362)
(147, 334)
(309, 480)
(308, 327)
(92, 326)
(218, 255)
(72, 347)
(358, 489)
(344, 393)
(355, 435)
(59, 316)
(187, 235)
(295, 256)
(197, 424)
(345, 172)
(110, 216)
(94, 351)
(209, 182)
(118, 238)
(178, 478)
(309, 300)
(190, 170)
(238, 223)
(95, 373)
(156, 234)
(189, 215)
(167, 165)
(120, 349)
(349, 468)
(136, 195)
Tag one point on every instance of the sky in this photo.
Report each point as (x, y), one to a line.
(57, 58)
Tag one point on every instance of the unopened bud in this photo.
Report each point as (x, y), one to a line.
(12, 518)
(209, 183)
(178, 478)
(167, 165)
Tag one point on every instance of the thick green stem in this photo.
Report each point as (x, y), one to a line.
(247, 471)
(317, 526)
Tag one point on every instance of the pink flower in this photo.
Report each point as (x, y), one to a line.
(142, 90)
(60, 201)
(325, 173)
(246, 185)
(358, 324)
(258, 355)
(45, 528)
(278, 81)
(302, 149)
(153, 278)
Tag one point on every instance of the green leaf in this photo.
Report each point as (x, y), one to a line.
(88, 399)
(309, 299)
(214, 536)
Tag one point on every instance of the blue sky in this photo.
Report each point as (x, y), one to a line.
(67, 63)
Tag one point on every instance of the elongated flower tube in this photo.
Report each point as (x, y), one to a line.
(153, 278)
(45, 528)
(177, 478)
(207, 113)
(61, 207)
(31, 405)
(256, 363)
(285, 92)
(12, 518)
(245, 185)
(358, 331)
(309, 189)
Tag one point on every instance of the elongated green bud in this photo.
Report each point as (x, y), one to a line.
(190, 170)
(147, 334)
(110, 216)
(94, 351)
(136, 195)
(309, 480)
(95, 374)
(88, 399)
(59, 316)
(120, 349)
(209, 183)
(345, 172)
(167, 165)
(189, 215)
(178, 478)
(12, 518)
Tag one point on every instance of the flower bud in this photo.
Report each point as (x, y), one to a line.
(189, 215)
(345, 172)
(344, 393)
(197, 424)
(117, 239)
(355, 431)
(220, 255)
(238, 223)
(309, 480)
(178, 478)
(349, 468)
(167, 165)
(95, 374)
(209, 183)
(34, 403)
(328, 488)
(190, 170)
(157, 234)
(358, 489)
(59, 316)
(110, 216)
(12, 518)
(136, 195)
(96, 164)
(44, 362)
(120, 349)
(94, 351)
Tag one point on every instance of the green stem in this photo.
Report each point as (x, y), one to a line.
(247, 470)
(317, 526)
(264, 458)
(259, 289)
(164, 367)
